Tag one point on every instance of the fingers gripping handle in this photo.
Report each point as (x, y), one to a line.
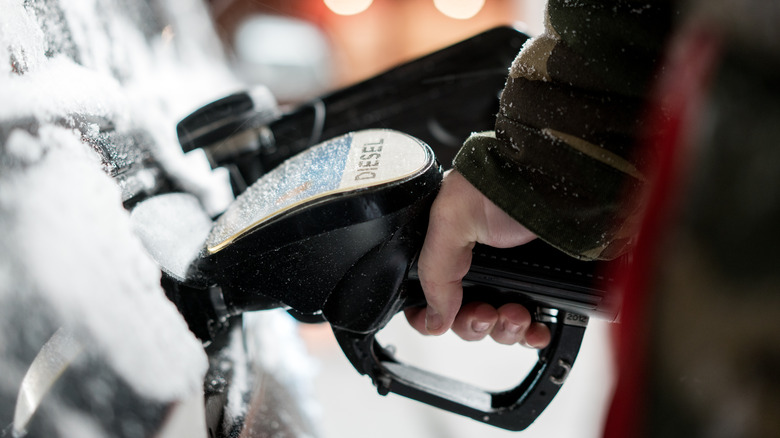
(513, 409)
(325, 242)
(562, 292)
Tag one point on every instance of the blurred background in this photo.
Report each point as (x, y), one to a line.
(300, 48)
(303, 48)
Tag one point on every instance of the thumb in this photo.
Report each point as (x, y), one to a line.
(446, 253)
(441, 272)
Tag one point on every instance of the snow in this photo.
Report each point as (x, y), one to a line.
(71, 73)
(172, 228)
(63, 87)
(241, 386)
(292, 366)
(73, 237)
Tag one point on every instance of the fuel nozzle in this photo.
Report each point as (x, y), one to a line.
(333, 233)
(297, 235)
(439, 98)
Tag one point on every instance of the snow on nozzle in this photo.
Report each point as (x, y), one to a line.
(332, 235)
(351, 163)
(295, 236)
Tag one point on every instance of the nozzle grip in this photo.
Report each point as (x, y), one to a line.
(545, 275)
(513, 409)
(559, 290)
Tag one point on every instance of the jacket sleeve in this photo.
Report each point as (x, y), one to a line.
(562, 159)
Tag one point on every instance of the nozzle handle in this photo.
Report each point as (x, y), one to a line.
(560, 291)
(537, 272)
(514, 409)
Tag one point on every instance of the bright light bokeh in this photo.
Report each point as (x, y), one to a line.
(348, 7)
(460, 9)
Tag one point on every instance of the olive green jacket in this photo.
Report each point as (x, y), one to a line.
(562, 159)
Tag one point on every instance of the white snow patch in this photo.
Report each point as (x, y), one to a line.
(74, 237)
(63, 230)
(22, 146)
(173, 228)
(292, 365)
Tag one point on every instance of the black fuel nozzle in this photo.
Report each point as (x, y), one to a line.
(440, 98)
(331, 230)
(356, 204)
(333, 234)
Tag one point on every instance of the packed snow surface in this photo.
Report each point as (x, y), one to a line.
(75, 76)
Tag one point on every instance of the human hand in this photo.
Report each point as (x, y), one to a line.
(460, 217)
